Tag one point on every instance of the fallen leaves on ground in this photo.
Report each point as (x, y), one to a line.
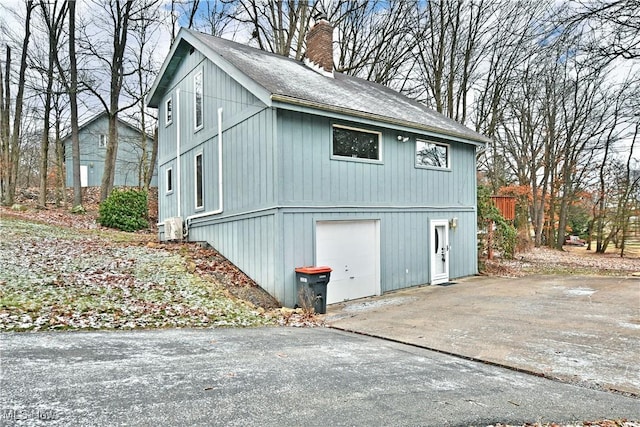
(573, 260)
(62, 278)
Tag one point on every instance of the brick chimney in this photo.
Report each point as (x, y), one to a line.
(320, 47)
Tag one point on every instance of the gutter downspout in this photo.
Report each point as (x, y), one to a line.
(177, 110)
(220, 195)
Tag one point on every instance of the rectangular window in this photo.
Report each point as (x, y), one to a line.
(102, 141)
(432, 155)
(355, 143)
(168, 112)
(199, 181)
(169, 180)
(197, 100)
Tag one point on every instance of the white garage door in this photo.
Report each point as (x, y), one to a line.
(352, 250)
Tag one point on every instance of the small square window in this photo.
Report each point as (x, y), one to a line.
(168, 112)
(355, 143)
(102, 141)
(169, 180)
(432, 155)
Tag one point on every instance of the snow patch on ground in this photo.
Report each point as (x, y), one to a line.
(629, 325)
(371, 305)
(579, 292)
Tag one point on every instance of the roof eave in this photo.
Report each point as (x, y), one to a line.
(161, 84)
(95, 117)
(480, 140)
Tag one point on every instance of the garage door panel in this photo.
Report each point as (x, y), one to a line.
(351, 249)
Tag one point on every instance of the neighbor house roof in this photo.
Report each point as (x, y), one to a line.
(277, 79)
(100, 115)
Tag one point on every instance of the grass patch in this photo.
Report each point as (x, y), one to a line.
(63, 278)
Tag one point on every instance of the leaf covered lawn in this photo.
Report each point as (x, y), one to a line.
(54, 277)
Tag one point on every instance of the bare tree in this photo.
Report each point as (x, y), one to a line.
(11, 145)
(73, 102)
(630, 186)
(142, 33)
(71, 86)
(214, 17)
(616, 22)
(277, 26)
(374, 39)
(54, 19)
(611, 208)
(60, 106)
(111, 65)
(5, 135)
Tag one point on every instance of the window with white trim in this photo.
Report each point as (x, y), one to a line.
(102, 141)
(169, 180)
(197, 100)
(432, 155)
(356, 144)
(199, 181)
(168, 112)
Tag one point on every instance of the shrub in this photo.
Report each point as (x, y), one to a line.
(125, 210)
(505, 237)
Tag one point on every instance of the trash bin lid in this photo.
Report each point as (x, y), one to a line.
(314, 270)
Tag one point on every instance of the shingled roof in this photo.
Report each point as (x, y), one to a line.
(287, 81)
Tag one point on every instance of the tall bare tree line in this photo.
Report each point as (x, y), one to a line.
(99, 64)
(542, 79)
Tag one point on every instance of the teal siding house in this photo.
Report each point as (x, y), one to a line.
(93, 146)
(280, 164)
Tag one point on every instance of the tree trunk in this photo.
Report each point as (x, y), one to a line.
(14, 157)
(108, 174)
(5, 136)
(120, 31)
(44, 148)
(73, 99)
(61, 197)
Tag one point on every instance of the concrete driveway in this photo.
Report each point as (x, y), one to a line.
(583, 330)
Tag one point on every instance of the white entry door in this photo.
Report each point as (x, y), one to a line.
(352, 250)
(439, 251)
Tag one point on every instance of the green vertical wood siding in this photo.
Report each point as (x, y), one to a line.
(404, 245)
(280, 179)
(249, 243)
(247, 145)
(310, 175)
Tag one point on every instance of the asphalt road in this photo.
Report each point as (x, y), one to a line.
(271, 376)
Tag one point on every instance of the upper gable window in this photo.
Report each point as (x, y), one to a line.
(102, 141)
(432, 155)
(197, 100)
(356, 144)
(168, 112)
